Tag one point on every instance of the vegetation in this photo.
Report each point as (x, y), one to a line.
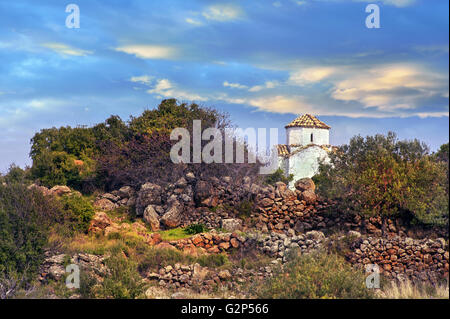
(25, 219)
(380, 175)
(111, 154)
(195, 229)
(316, 275)
(278, 176)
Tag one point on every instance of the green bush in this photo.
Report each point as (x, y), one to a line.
(195, 229)
(315, 275)
(25, 218)
(123, 281)
(380, 175)
(79, 212)
(278, 176)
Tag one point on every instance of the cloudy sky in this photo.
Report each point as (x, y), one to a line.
(263, 62)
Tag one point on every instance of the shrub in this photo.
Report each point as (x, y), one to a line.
(315, 275)
(383, 176)
(123, 281)
(79, 212)
(25, 218)
(195, 229)
(278, 176)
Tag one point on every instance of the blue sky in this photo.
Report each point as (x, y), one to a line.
(263, 62)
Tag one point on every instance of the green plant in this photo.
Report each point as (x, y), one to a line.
(123, 281)
(79, 211)
(195, 229)
(380, 175)
(315, 275)
(278, 176)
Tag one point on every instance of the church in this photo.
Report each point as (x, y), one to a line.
(307, 143)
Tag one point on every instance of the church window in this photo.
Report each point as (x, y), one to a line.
(312, 138)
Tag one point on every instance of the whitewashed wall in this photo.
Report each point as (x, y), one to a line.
(306, 163)
(302, 136)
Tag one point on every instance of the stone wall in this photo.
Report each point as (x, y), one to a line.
(400, 258)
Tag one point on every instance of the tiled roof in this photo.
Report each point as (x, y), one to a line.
(283, 150)
(308, 120)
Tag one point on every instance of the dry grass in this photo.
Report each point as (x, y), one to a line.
(409, 290)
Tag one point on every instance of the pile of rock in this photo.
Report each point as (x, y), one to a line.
(212, 242)
(57, 190)
(125, 196)
(204, 278)
(282, 209)
(279, 245)
(400, 258)
(54, 265)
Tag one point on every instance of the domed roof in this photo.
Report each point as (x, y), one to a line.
(308, 120)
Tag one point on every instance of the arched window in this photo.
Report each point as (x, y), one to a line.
(312, 138)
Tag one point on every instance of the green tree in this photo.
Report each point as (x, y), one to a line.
(380, 175)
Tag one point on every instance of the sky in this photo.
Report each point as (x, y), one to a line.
(262, 62)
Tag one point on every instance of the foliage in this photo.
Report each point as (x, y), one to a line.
(79, 212)
(123, 281)
(195, 229)
(114, 153)
(315, 275)
(278, 176)
(380, 175)
(25, 218)
(16, 174)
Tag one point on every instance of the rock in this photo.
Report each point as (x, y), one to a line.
(60, 190)
(104, 204)
(305, 184)
(149, 194)
(353, 233)
(126, 192)
(266, 202)
(231, 224)
(234, 243)
(224, 245)
(151, 217)
(44, 190)
(315, 235)
(111, 197)
(199, 273)
(99, 222)
(224, 275)
(56, 272)
(172, 218)
(309, 197)
(190, 177)
(203, 190)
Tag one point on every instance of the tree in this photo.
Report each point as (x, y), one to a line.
(380, 175)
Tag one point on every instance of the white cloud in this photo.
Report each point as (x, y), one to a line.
(389, 87)
(267, 85)
(222, 12)
(310, 75)
(234, 85)
(145, 51)
(144, 79)
(166, 89)
(65, 49)
(193, 21)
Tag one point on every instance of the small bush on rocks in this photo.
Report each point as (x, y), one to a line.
(195, 229)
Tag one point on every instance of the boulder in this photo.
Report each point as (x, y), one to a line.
(151, 217)
(204, 194)
(111, 197)
(315, 235)
(99, 222)
(60, 190)
(231, 224)
(309, 197)
(126, 192)
(149, 194)
(172, 218)
(104, 204)
(304, 184)
(44, 190)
